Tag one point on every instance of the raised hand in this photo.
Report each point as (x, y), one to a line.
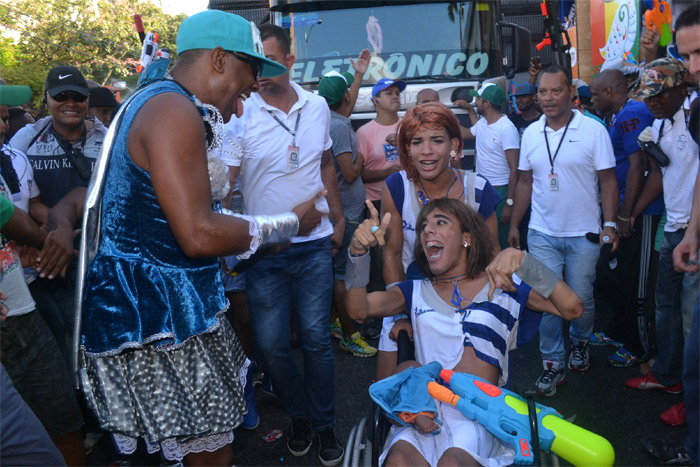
(370, 232)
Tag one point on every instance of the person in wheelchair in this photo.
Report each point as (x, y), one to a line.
(428, 139)
(469, 312)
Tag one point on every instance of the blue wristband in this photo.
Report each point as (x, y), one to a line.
(399, 316)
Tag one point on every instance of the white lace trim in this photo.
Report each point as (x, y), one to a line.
(173, 449)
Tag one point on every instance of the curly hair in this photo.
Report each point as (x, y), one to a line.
(432, 115)
(481, 248)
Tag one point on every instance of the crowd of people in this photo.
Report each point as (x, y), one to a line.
(234, 215)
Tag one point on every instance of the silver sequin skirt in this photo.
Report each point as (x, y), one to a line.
(190, 396)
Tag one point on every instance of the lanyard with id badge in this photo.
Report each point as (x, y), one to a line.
(293, 149)
(553, 178)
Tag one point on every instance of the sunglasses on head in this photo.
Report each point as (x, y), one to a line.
(65, 95)
(250, 61)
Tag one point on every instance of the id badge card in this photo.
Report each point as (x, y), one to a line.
(553, 182)
(293, 157)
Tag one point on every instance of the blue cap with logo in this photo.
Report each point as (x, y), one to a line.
(384, 83)
(214, 28)
(524, 89)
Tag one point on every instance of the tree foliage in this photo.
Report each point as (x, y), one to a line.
(96, 36)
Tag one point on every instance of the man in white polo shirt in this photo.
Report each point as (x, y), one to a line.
(285, 147)
(497, 150)
(562, 157)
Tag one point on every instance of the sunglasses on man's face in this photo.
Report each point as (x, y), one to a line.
(65, 95)
(250, 61)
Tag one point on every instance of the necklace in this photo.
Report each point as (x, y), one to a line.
(214, 121)
(457, 297)
(423, 195)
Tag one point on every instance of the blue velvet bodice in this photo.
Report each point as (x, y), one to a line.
(141, 288)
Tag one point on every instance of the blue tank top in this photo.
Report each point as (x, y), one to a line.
(140, 287)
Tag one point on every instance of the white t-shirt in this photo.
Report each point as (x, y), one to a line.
(27, 189)
(492, 142)
(573, 210)
(679, 175)
(269, 183)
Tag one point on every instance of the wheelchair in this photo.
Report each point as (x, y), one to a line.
(366, 440)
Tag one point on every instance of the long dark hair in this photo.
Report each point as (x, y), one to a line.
(481, 248)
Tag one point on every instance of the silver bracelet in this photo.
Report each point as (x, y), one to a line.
(537, 275)
(357, 271)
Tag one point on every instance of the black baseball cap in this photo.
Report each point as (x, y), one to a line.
(102, 97)
(65, 78)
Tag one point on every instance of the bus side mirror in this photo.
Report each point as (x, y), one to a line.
(516, 47)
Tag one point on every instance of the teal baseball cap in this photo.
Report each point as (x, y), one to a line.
(214, 28)
(489, 92)
(334, 85)
(14, 95)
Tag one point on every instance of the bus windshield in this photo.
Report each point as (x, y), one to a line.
(417, 42)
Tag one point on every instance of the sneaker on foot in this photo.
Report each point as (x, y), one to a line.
(299, 439)
(578, 360)
(599, 339)
(357, 346)
(674, 416)
(336, 329)
(622, 358)
(665, 456)
(551, 377)
(373, 328)
(648, 382)
(330, 452)
(251, 419)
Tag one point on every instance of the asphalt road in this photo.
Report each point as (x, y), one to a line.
(598, 399)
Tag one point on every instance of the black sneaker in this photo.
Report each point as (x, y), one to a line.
(330, 452)
(373, 328)
(299, 439)
(664, 456)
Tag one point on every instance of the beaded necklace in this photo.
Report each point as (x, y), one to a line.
(423, 195)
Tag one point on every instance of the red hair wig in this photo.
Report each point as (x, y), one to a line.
(433, 115)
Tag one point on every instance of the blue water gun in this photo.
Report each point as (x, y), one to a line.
(505, 415)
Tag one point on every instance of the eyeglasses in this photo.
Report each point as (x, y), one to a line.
(250, 61)
(65, 95)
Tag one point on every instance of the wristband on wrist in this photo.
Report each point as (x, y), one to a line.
(613, 225)
(357, 271)
(399, 317)
(623, 219)
(537, 275)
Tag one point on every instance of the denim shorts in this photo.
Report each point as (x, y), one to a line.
(39, 372)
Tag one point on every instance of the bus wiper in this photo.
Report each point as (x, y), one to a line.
(408, 79)
(429, 78)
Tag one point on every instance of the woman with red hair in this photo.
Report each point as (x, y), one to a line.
(428, 138)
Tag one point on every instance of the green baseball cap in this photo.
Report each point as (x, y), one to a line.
(658, 76)
(489, 92)
(14, 95)
(214, 28)
(334, 85)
